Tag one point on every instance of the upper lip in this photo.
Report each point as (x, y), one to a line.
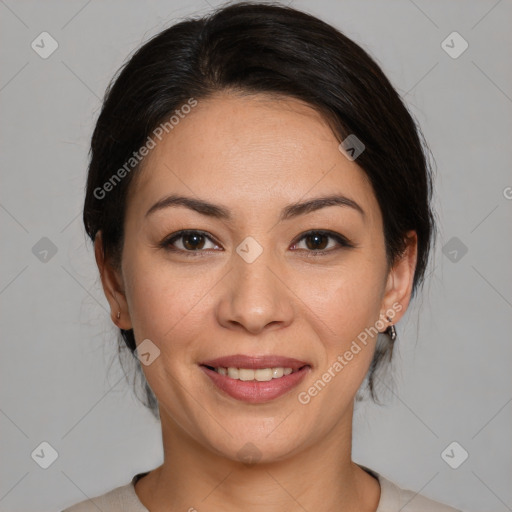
(255, 362)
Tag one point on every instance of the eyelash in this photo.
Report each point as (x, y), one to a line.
(340, 239)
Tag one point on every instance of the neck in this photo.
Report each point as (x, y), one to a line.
(321, 477)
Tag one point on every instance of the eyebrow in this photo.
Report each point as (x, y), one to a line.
(220, 212)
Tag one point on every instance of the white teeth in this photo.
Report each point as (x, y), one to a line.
(277, 372)
(260, 375)
(244, 374)
(233, 373)
(263, 374)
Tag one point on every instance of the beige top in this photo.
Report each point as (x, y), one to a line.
(392, 499)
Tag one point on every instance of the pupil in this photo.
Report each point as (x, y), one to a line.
(316, 244)
(193, 245)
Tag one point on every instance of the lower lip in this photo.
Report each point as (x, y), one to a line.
(253, 391)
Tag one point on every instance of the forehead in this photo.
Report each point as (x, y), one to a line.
(250, 151)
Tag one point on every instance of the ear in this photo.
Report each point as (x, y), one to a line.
(113, 286)
(399, 282)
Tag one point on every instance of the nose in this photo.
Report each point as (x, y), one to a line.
(255, 296)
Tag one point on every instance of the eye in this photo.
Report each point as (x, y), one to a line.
(195, 242)
(317, 241)
(188, 241)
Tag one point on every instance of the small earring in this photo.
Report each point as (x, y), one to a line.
(391, 331)
(118, 316)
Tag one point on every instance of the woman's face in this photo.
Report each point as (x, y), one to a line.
(250, 283)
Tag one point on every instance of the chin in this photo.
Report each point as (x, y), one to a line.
(251, 441)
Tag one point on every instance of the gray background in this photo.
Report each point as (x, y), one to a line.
(60, 381)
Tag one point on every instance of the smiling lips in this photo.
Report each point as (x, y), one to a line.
(255, 379)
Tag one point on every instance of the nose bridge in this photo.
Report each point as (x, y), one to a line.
(255, 276)
(255, 297)
(254, 282)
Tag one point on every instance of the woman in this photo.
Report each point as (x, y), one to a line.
(260, 204)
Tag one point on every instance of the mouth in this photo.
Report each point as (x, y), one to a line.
(255, 379)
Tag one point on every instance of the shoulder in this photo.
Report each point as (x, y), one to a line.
(394, 499)
(120, 499)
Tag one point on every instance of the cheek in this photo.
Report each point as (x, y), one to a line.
(344, 312)
(164, 303)
(346, 299)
